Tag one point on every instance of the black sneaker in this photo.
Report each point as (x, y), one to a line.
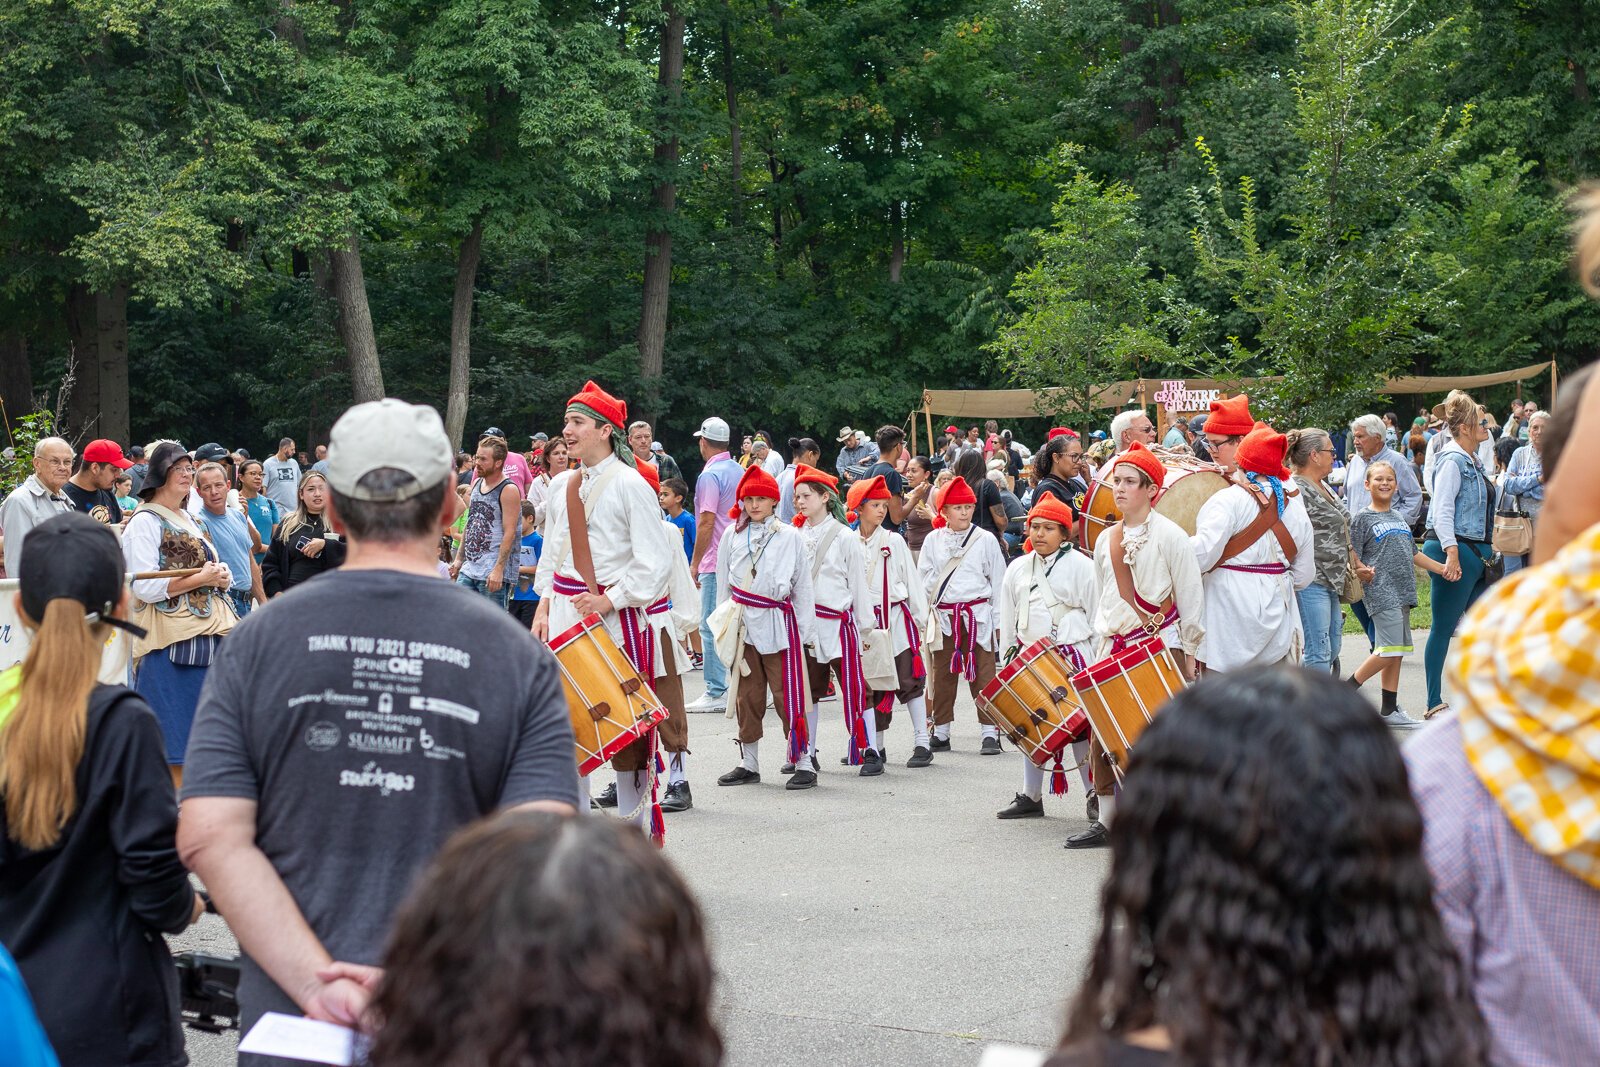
(940, 744)
(1023, 807)
(740, 776)
(608, 799)
(990, 747)
(1096, 836)
(802, 780)
(920, 757)
(871, 764)
(1092, 809)
(677, 797)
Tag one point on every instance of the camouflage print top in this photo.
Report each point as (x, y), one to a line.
(1331, 525)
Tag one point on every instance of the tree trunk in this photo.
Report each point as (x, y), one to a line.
(16, 377)
(658, 240)
(897, 214)
(82, 382)
(735, 142)
(1141, 109)
(111, 323)
(1173, 80)
(455, 415)
(354, 321)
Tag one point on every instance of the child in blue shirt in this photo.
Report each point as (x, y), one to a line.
(524, 601)
(674, 491)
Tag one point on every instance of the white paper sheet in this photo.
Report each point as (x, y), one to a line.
(1011, 1056)
(297, 1038)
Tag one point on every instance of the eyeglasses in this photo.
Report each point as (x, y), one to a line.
(1483, 423)
(67, 463)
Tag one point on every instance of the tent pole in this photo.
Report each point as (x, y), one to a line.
(1554, 375)
(927, 419)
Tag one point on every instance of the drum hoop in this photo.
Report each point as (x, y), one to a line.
(584, 625)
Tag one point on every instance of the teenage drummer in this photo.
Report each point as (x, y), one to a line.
(1050, 595)
(607, 554)
(961, 569)
(1167, 597)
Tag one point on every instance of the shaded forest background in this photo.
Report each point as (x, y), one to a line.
(231, 217)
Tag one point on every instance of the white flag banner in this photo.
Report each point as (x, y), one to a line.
(14, 639)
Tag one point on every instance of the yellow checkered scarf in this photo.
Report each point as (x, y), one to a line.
(1527, 682)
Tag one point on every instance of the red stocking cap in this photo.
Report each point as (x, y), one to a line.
(1231, 417)
(1052, 510)
(651, 475)
(1061, 431)
(955, 491)
(757, 482)
(806, 474)
(602, 403)
(1136, 455)
(868, 489)
(1261, 452)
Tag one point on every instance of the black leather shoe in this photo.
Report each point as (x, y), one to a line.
(1096, 836)
(608, 799)
(871, 764)
(802, 780)
(940, 744)
(1092, 808)
(740, 776)
(990, 747)
(677, 797)
(920, 757)
(1023, 807)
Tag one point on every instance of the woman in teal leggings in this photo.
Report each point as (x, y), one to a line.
(1459, 527)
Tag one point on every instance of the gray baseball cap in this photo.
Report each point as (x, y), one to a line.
(388, 434)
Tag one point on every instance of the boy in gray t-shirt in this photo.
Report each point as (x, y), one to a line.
(1381, 540)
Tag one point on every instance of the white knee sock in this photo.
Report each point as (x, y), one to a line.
(747, 755)
(1032, 779)
(1108, 805)
(991, 731)
(811, 732)
(870, 718)
(583, 793)
(631, 787)
(675, 767)
(917, 708)
(1080, 756)
(942, 731)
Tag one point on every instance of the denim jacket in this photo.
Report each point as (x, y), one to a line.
(1469, 511)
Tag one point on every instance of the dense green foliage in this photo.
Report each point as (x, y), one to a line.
(871, 197)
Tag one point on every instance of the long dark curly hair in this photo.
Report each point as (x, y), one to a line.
(1268, 903)
(540, 940)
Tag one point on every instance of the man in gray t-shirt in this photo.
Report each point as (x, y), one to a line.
(280, 476)
(346, 730)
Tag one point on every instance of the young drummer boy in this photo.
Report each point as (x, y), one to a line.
(1167, 594)
(1049, 593)
(961, 569)
(897, 602)
(762, 567)
(1381, 540)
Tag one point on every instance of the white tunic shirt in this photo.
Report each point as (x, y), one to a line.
(684, 617)
(904, 585)
(1027, 613)
(841, 582)
(1250, 618)
(768, 559)
(977, 577)
(627, 540)
(1164, 567)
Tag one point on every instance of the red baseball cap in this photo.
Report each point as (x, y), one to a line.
(103, 451)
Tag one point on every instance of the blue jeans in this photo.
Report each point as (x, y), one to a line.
(1359, 610)
(1516, 563)
(481, 587)
(716, 673)
(1322, 618)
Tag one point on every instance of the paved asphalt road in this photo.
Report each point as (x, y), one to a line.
(876, 921)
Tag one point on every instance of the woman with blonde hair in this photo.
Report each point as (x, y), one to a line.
(89, 871)
(305, 545)
(1460, 525)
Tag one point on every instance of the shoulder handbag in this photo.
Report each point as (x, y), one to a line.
(1513, 529)
(1353, 590)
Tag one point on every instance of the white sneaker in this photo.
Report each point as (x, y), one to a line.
(708, 703)
(1400, 720)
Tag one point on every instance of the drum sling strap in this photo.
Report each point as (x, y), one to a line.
(1152, 617)
(1267, 518)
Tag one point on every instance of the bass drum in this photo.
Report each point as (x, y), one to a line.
(1190, 482)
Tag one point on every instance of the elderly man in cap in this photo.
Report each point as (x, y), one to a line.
(38, 498)
(854, 452)
(349, 728)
